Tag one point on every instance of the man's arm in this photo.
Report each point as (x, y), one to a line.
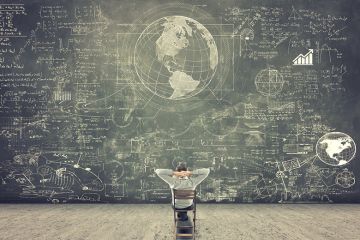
(166, 175)
(199, 175)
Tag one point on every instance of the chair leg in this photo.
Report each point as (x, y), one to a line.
(194, 221)
(175, 226)
(194, 230)
(174, 219)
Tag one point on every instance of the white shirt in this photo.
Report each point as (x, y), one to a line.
(183, 183)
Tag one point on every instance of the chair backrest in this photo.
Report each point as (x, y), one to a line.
(184, 194)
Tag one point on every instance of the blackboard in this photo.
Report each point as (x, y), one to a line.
(96, 95)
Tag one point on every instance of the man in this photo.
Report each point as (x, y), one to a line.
(182, 179)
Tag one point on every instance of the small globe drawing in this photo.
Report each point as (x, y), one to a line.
(269, 82)
(175, 57)
(336, 148)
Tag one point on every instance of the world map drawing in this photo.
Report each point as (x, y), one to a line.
(176, 57)
(336, 148)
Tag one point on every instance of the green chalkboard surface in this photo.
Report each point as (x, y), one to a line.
(95, 95)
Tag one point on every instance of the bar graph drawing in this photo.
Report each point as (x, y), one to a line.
(304, 60)
(62, 95)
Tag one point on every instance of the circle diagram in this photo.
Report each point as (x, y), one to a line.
(175, 57)
(345, 179)
(269, 82)
(336, 148)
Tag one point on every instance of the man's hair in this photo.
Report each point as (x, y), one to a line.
(181, 167)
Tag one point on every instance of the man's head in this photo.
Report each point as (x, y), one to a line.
(181, 167)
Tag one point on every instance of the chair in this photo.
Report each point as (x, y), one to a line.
(185, 194)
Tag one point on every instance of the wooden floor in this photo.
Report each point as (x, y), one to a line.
(155, 222)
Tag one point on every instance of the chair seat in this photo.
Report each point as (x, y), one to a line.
(186, 209)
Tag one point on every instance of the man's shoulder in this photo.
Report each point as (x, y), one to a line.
(161, 170)
(201, 171)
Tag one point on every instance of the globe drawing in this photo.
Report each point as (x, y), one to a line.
(336, 148)
(269, 82)
(175, 57)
